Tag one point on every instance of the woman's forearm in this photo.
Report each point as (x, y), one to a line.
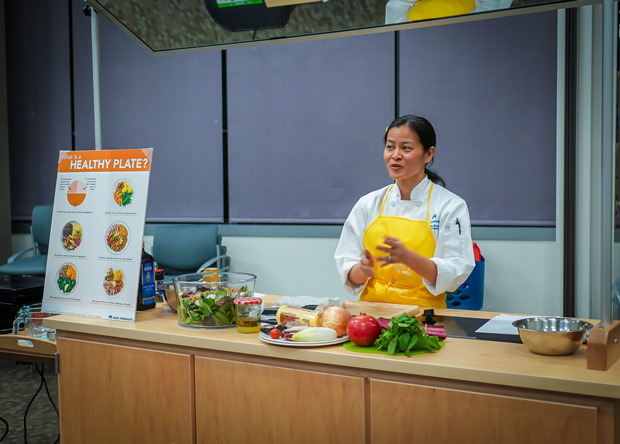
(421, 265)
(356, 275)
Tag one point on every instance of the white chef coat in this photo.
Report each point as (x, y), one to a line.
(454, 254)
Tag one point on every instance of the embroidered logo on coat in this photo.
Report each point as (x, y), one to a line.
(434, 222)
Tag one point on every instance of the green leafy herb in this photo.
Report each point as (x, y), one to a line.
(404, 335)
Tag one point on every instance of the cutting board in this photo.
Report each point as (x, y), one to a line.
(376, 309)
(380, 309)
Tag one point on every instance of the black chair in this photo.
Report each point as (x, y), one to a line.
(40, 232)
(188, 248)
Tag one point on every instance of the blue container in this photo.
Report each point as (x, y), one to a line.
(470, 295)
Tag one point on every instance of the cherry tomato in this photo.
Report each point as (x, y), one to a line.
(274, 333)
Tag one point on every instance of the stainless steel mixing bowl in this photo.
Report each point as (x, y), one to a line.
(552, 335)
(169, 295)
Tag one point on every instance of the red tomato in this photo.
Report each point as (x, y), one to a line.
(274, 333)
(363, 330)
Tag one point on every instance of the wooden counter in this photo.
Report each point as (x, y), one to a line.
(155, 381)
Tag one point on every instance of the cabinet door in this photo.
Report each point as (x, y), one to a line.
(114, 394)
(401, 412)
(249, 403)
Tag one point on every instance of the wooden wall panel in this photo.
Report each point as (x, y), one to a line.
(114, 394)
(444, 415)
(248, 403)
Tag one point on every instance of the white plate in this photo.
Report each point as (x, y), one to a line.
(268, 339)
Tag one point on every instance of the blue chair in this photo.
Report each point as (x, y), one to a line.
(40, 232)
(188, 248)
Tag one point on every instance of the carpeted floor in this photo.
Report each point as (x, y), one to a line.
(18, 384)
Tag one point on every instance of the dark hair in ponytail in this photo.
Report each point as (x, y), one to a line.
(426, 134)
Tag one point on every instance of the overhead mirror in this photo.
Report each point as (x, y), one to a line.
(162, 25)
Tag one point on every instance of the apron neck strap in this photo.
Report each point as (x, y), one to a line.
(428, 204)
(385, 199)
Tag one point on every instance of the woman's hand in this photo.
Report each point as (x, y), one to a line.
(363, 271)
(368, 264)
(396, 252)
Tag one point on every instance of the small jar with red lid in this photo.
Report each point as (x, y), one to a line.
(248, 314)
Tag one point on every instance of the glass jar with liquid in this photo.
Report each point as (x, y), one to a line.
(248, 314)
(211, 276)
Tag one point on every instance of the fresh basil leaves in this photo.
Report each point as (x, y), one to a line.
(405, 335)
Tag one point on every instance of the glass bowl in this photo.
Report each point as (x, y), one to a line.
(552, 336)
(206, 300)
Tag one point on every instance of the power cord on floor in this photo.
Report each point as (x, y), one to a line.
(43, 383)
(6, 432)
(50, 398)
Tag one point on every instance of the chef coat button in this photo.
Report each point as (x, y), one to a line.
(418, 204)
(393, 204)
(447, 227)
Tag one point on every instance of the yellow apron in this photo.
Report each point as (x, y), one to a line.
(431, 9)
(397, 283)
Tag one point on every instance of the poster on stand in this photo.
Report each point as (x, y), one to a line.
(95, 247)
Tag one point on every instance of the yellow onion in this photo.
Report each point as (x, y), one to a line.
(336, 318)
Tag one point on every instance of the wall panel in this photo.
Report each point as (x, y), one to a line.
(489, 88)
(306, 122)
(39, 99)
(171, 103)
(305, 119)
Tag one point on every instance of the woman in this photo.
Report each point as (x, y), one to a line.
(410, 242)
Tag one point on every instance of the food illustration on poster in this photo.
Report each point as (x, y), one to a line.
(71, 235)
(97, 229)
(113, 282)
(67, 278)
(123, 193)
(117, 237)
(76, 193)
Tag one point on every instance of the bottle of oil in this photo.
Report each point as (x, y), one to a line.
(146, 283)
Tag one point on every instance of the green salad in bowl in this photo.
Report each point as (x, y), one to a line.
(206, 300)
